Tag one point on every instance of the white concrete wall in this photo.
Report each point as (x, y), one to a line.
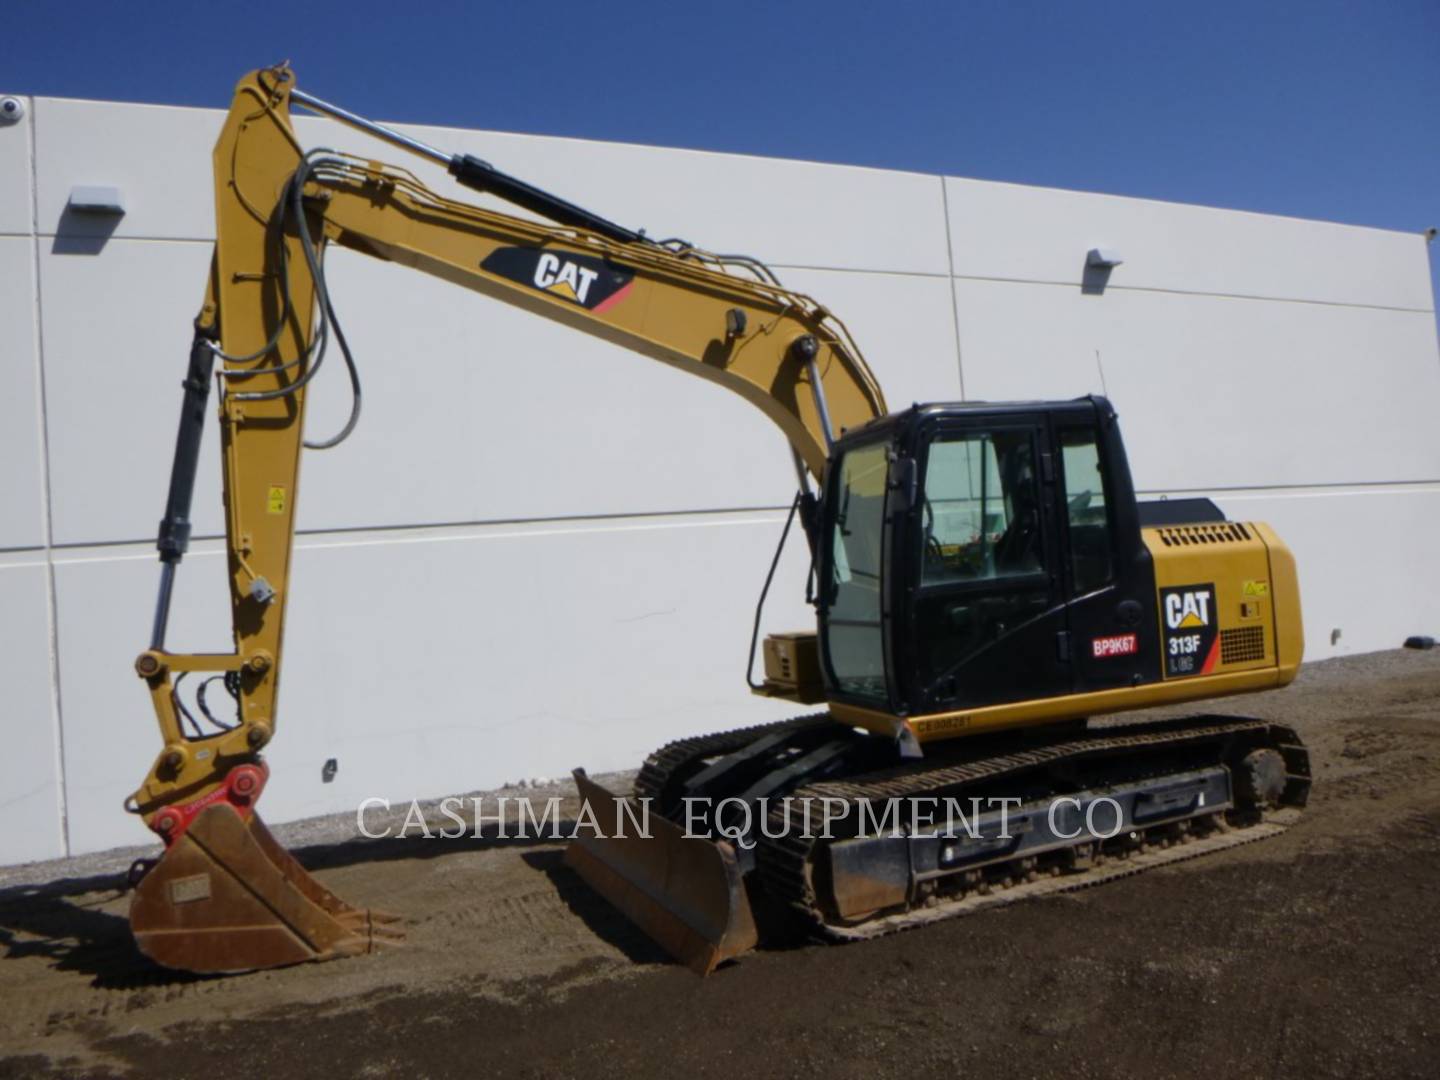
(540, 551)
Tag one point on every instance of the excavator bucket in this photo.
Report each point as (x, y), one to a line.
(227, 897)
(685, 892)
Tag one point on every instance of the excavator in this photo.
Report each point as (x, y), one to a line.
(984, 579)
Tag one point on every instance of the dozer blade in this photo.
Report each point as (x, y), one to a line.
(686, 893)
(227, 897)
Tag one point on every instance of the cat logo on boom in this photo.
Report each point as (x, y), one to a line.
(589, 282)
(1191, 641)
(564, 276)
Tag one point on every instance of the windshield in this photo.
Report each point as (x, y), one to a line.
(853, 634)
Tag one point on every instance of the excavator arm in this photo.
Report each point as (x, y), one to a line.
(226, 896)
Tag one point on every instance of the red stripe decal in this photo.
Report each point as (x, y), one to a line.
(611, 301)
(1211, 656)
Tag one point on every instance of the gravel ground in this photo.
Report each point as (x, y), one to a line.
(1316, 953)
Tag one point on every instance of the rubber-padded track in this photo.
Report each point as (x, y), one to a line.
(1273, 825)
(783, 865)
(784, 853)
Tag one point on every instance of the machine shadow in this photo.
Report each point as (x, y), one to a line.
(603, 920)
(64, 922)
(780, 930)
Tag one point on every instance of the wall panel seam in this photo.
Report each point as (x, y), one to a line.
(950, 285)
(659, 517)
(47, 514)
(381, 535)
(1257, 297)
(122, 236)
(1357, 487)
(775, 264)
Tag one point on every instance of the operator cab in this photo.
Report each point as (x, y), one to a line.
(963, 550)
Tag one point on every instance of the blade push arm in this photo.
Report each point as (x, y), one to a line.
(276, 209)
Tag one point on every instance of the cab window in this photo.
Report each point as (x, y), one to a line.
(857, 547)
(980, 516)
(1091, 564)
(983, 575)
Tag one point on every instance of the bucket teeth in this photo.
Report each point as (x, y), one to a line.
(227, 897)
(686, 893)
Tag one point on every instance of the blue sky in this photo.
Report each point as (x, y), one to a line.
(1314, 109)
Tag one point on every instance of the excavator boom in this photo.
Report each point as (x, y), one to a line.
(226, 896)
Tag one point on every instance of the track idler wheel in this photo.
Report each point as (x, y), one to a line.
(227, 897)
(1260, 778)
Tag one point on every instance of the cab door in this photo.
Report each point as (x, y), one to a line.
(1107, 572)
(986, 597)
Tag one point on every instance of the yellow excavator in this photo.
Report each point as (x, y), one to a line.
(984, 580)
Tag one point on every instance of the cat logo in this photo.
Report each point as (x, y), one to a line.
(1190, 638)
(592, 283)
(565, 277)
(1188, 610)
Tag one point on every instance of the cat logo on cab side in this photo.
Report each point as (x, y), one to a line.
(1191, 643)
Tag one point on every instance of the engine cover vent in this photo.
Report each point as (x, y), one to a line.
(1223, 532)
(1242, 644)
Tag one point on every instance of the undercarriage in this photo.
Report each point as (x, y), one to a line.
(832, 832)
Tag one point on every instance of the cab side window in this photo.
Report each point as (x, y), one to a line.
(983, 573)
(981, 509)
(1092, 563)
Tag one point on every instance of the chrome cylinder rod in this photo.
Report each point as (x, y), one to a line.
(822, 408)
(162, 606)
(380, 131)
(480, 175)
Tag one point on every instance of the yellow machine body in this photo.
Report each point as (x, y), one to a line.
(1260, 639)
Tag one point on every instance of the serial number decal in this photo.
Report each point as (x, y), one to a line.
(943, 723)
(1115, 645)
(1191, 643)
